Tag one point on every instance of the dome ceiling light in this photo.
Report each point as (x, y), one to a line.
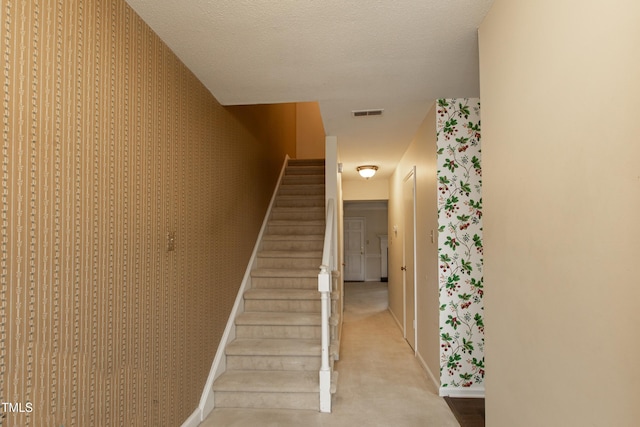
(367, 171)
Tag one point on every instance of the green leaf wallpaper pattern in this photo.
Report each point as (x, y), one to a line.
(460, 243)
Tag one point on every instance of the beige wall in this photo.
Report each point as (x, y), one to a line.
(109, 143)
(309, 131)
(422, 154)
(375, 188)
(560, 114)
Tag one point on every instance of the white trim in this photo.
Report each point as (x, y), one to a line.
(411, 176)
(194, 419)
(219, 361)
(461, 392)
(429, 372)
(415, 257)
(363, 257)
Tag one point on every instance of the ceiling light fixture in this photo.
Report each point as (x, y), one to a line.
(367, 171)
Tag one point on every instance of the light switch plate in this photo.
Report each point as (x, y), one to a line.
(171, 241)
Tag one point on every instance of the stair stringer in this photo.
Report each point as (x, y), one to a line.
(218, 367)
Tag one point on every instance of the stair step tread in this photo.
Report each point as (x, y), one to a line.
(286, 237)
(298, 208)
(305, 164)
(301, 201)
(268, 381)
(306, 171)
(285, 272)
(297, 222)
(300, 196)
(282, 294)
(303, 180)
(299, 181)
(290, 254)
(298, 189)
(317, 169)
(273, 347)
(266, 318)
(317, 161)
(316, 210)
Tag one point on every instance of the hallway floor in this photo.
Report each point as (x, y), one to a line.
(380, 381)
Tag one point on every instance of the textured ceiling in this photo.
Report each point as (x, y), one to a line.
(347, 55)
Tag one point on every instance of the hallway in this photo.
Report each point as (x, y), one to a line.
(380, 381)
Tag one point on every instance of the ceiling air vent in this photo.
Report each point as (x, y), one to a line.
(364, 113)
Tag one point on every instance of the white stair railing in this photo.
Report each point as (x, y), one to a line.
(324, 287)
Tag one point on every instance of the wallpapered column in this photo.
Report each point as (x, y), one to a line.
(460, 244)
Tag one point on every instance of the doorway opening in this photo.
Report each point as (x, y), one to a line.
(365, 241)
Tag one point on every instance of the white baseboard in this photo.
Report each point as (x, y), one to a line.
(219, 361)
(193, 420)
(435, 381)
(477, 392)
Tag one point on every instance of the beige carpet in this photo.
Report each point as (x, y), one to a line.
(380, 381)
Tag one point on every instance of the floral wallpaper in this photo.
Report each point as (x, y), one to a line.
(460, 243)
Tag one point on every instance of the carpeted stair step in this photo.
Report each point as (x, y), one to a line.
(285, 278)
(282, 300)
(267, 389)
(291, 254)
(278, 319)
(305, 214)
(303, 179)
(284, 242)
(300, 201)
(278, 325)
(289, 259)
(274, 354)
(304, 170)
(301, 190)
(306, 162)
(296, 227)
(308, 283)
(281, 273)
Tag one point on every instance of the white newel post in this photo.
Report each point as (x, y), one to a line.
(324, 286)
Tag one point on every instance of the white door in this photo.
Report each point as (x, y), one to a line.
(408, 266)
(354, 249)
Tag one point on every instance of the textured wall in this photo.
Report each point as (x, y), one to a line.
(460, 250)
(108, 144)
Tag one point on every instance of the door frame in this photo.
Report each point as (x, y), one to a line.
(411, 175)
(363, 261)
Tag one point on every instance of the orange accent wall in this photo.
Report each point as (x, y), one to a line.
(309, 131)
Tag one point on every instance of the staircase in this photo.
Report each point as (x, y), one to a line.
(275, 357)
